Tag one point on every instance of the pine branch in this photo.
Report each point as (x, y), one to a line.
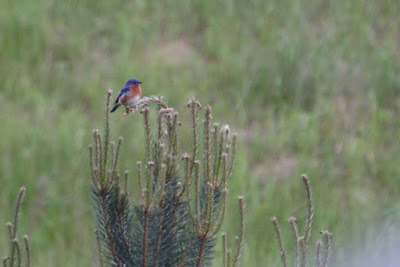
(241, 233)
(310, 211)
(27, 250)
(280, 242)
(16, 253)
(14, 231)
(145, 236)
(293, 224)
(201, 249)
(146, 101)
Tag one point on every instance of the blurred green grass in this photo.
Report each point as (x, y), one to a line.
(310, 87)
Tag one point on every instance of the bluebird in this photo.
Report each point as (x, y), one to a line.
(129, 94)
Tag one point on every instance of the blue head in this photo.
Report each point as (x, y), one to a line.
(132, 82)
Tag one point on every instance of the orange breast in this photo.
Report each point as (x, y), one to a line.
(135, 91)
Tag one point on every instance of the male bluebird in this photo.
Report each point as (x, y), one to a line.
(129, 94)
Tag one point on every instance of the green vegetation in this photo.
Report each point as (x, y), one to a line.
(311, 87)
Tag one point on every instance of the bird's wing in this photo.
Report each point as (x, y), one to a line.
(123, 91)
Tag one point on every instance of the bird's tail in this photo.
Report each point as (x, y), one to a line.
(114, 108)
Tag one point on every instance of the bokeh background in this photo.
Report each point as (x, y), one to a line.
(310, 87)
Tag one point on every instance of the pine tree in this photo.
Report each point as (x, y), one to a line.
(183, 201)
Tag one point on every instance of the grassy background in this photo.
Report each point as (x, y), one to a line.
(310, 86)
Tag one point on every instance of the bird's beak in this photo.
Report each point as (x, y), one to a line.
(140, 82)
